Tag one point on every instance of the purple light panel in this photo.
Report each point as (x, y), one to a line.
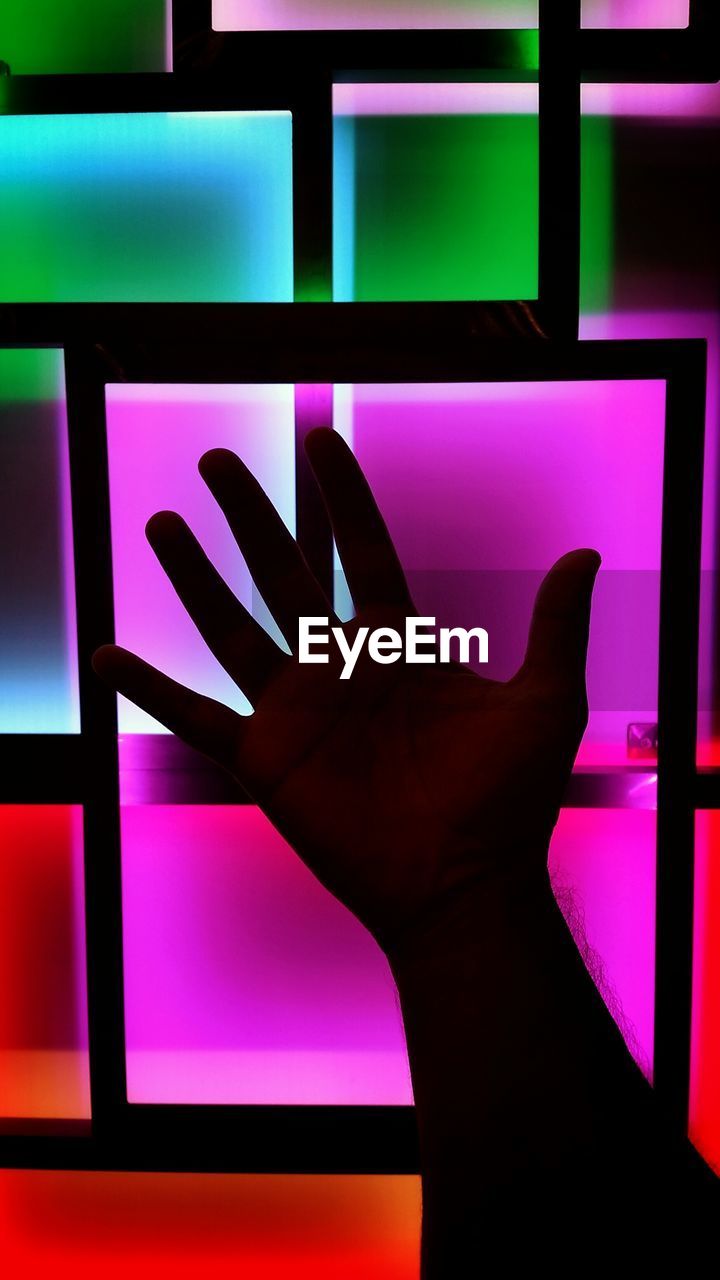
(156, 434)
(635, 13)
(483, 487)
(406, 99)
(246, 982)
(665, 169)
(311, 15)
(336, 15)
(690, 102)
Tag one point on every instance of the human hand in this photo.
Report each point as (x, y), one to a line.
(405, 784)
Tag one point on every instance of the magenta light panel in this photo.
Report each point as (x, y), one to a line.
(247, 982)
(156, 434)
(474, 483)
(659, 168)
(635, 13)
(311, 15)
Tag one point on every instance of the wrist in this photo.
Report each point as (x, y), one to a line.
(498, 906)
(499, 1008)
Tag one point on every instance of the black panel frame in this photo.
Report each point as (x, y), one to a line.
(275, 72)
(648, 54)
(323, 344)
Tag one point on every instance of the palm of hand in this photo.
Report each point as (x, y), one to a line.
(403, 783)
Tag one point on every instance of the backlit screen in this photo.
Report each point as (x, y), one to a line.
(435, 192)
(165, 207)
(43, 1003)
(38, 639)
(246, 982)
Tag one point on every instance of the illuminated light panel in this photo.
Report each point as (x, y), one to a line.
(51, 37)
(693, 102)
(434, 99)
(484, 486)
(688, 324)
(43, 1007)
(435, 192)
(635, 13)
(245, 981)
(705, 1059)
(604, 860)
(159, 1226)
(156, 435)
(164, 207)
(38, 639)
(356, 15)
(663, 152)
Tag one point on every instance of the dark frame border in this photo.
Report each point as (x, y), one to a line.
(645, 54)
(316, 344)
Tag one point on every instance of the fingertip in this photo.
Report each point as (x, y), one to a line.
(319, 439)
(162, 522)
(102, 659)
(581, 557)
(213, 461)
(593, 557)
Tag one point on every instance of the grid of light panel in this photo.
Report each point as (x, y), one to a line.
(385, 15)
(146, 207)
(197, 207)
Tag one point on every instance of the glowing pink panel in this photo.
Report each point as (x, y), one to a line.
(336, 15)
(245, 981)
(156, 434)
(483, 487)
(652, 101)
(705, 1062)
(603, 865)
(688, 324)
(635, 13)
(664, 145)
(435, 99)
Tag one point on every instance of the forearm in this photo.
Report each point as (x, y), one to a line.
(524, 1089)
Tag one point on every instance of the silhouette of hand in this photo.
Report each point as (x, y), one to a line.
(404, 784)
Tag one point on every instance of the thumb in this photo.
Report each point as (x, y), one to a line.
(557, 644)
